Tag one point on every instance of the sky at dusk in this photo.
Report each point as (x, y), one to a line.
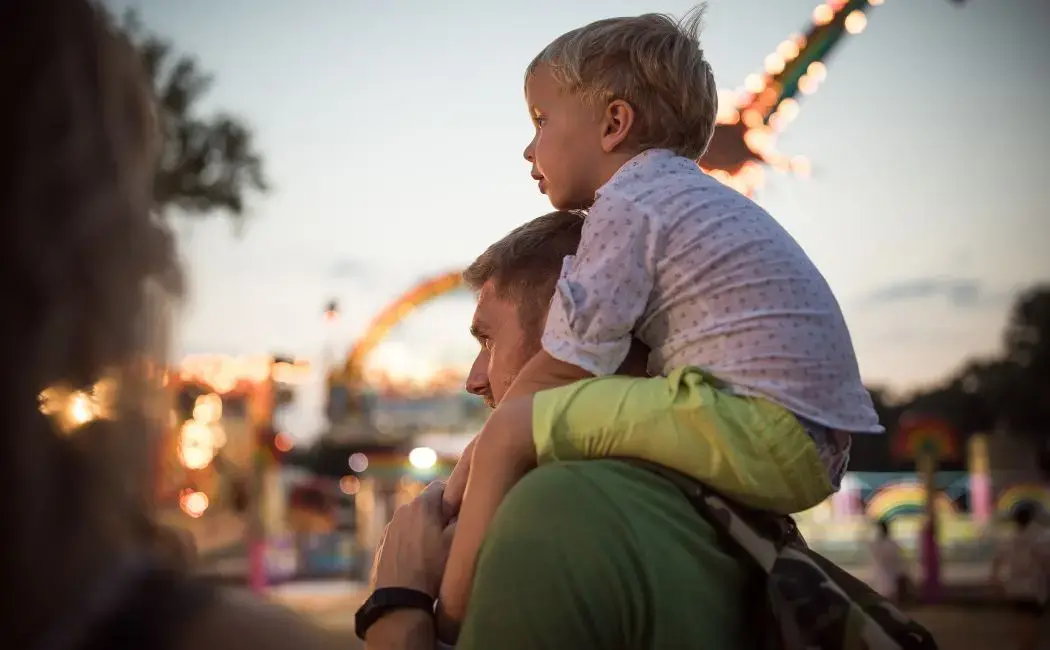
(393, 134)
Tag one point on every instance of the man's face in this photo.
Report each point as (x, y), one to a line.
(566, 147)
(505, 346)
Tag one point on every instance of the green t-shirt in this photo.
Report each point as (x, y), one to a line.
(602, 555)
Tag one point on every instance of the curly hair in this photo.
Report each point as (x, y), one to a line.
(86, 261)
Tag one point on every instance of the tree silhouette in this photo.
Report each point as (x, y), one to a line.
(1023, 392)
(1011, 392)
(209, 162)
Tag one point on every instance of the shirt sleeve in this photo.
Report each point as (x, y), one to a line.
(531, 589)
(603, 290)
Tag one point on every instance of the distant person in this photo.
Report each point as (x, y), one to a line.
(889, 571)
(754, 385)
(1021, 569)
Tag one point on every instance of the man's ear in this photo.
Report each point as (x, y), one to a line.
(617, 121)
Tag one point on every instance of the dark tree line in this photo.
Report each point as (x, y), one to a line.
(1010, 393)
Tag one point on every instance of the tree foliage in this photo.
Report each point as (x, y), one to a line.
(209, 162)
(1010, 392)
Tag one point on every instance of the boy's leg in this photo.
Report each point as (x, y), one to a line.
(749, 449)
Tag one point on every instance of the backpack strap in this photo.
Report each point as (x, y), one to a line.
(810, 602)
(722, 512)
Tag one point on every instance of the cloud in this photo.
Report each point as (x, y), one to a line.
(958, 292)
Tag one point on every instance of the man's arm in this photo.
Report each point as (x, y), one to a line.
(555, 576)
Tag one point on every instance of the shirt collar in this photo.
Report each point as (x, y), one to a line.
(638, 162)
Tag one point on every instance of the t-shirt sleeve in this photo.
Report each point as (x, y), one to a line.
(538, 591)
(603, 290)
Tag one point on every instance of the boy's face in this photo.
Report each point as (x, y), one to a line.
(566, 150)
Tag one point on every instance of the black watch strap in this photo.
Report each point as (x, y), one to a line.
(388, 599)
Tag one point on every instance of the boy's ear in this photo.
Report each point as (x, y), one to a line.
(617, 121)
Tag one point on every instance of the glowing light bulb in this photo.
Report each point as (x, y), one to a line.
(774, 64)
(193, 503)
(751, 118)
(823, 14)
(856, 22)
(208, 408)
(818, 71)
(196, 445)
(350, 485)
(358, 462)
(788, 110)
(80, 409)
(807, 85)
(787, 50)
(422, 457)
(283, 442)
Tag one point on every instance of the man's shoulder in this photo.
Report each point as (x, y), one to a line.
(637, 519)
(606, 541)
(590, 474)
(597, 490)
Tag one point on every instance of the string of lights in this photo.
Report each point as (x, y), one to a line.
(751, 117)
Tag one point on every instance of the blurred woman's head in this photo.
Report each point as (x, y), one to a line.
(86, 262)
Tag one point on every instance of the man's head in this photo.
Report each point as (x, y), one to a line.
(515, 280)
(1023, 516)
(601, 94)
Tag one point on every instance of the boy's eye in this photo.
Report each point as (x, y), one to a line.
(540, 121)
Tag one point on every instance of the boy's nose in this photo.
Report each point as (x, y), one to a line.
(530, 151)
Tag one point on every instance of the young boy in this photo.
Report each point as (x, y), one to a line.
(754, 385)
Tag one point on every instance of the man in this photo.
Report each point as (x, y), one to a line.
(597, 554)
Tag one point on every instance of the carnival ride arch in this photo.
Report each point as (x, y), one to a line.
(350, 375)
(744, 142)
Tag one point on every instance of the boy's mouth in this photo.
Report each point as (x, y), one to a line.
(541, 182)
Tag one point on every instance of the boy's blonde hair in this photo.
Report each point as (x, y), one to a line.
(654, 63)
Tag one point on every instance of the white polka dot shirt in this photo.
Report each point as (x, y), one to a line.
(705, 277)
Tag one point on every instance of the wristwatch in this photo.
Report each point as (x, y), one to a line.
(388, 599)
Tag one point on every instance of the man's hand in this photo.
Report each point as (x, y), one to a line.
(415, 545)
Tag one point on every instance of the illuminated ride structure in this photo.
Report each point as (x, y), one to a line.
(750, 120)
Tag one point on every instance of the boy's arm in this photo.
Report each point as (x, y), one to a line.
(599, 298)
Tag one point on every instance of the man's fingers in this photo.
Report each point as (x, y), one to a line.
(433, 493)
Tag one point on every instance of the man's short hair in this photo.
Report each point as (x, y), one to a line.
(524, 265)
(654, 63)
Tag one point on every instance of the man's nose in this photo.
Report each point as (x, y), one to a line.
(478, 379)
